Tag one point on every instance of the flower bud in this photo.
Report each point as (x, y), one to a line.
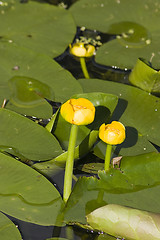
(78, 111)
(113, 133)
(82, 50)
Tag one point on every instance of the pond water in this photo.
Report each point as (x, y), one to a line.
(35, 232)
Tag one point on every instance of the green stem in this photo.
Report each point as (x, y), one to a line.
(84, 68)
(70, 163)
(107, 157)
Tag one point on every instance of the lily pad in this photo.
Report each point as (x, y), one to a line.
(26, 138)
(8, 230)
(55, 165)
(103, 236)
(37, 27)
(26, 63)
(133, 144)
(26, 194)
(136, 35)
(145, 77)
(136, 108)
(136, 185)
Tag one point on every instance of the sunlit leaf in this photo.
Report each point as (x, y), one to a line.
(145, 77)
(136, 185)
(28, 91)
(24, 62)
(26, 194)
(57, 164)
(136, 109)
(37, 27)
(26, 138)
(133, 144)
(105, 237)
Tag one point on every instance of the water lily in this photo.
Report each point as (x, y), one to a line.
(77, 112)
(82, 51)
(112, 134)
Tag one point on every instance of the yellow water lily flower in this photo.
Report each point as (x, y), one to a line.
(82, 50)
(78, 111)
(113, 133)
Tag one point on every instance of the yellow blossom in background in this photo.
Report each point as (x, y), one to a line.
(78, 111)
(82, 50)
(113, 133)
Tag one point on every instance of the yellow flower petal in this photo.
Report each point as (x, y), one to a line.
(78, 111)
(113, 133)
(82, 50)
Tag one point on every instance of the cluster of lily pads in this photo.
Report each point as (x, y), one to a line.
(42, 106)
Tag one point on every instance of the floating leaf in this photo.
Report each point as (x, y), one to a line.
(28, 91)
(57, 164)
(29, 139)
(26, 194)
(37, 27)
(133, 144)
(125, 222)
(135, 185)
(8, 230)
(136, 35)
(24, 62)
(104, 237)
(136, 109)
(145, 77)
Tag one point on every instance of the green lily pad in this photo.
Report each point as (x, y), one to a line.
(37, 27)
(8, 230)
(26, 194)
(136, 185)
(145, 77)
(136, 35)
(133, 144)
(49, 168)
(26, 138)
(136, 108)
(21, 62)
(28, 91)
(103, 236)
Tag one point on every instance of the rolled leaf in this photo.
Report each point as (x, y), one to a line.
(125, 222)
